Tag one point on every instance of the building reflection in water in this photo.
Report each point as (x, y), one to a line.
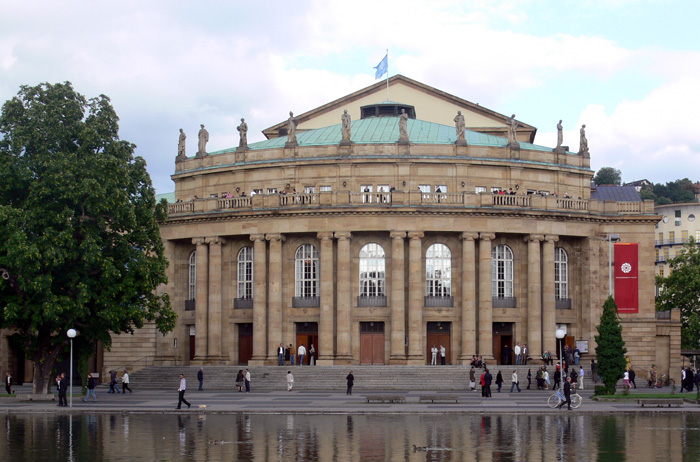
(564, 436)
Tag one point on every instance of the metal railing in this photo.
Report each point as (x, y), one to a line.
(371, 300)
(663, 314)
(439, 301)
(563, 303)
(190, 305)
(306, 302)
(242, 303)
(504, 302)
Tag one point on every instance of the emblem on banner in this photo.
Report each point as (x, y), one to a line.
(626, 267)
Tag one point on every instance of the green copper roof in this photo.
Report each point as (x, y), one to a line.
(169, 196)
(383, 130)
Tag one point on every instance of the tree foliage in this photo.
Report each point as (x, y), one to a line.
(674, 192)
(610, 347)
(608, 175)
(80, 241)
(681, 289)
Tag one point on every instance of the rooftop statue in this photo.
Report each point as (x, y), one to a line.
(461, 128)
(243, 131)
(512, 131)
(203, 139)
(292, 128)
(583, 146)
(345, 126)
(560, 134)
(403, 126)
(181, 145)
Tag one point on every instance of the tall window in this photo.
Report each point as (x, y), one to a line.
(245, 272)
(502, 272)
(372, 271)
(193, 276)
(306, 271)
(561, 273)
(438, 271)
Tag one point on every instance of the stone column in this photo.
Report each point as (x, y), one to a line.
(549, 316)
(485, 336)
(398, 285)
(344, 321)
(326, 321)
(534, 295)
(274, 313)
(165, 349)
(415, 299)
(259, 300)
(214, 321)
(468, 297)
(201, 299)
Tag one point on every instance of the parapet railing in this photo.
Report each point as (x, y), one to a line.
(410, 199)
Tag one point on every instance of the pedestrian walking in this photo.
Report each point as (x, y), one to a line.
(91, 382)
(593, 371)
(113, 387)
(487, 382)
(247, 381)
(290, 380)
(529, 378)
(8, 383)
(499, 381)
(515, 382)
(181, 393)
(200, 377)
(581, 373)
(567, 393)
(633, 375)
(351, 381)
(302, 353)
(125, 382)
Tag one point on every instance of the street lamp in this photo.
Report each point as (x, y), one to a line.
(71, 334)
(560, 334)
(611, 238)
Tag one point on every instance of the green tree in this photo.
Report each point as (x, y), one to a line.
(608, 175)
(681, 289)
(610, 348)
(80, 246)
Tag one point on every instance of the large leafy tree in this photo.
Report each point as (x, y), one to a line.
(610, 347)
(673, 192)
(608, 175)
(80, 243)
(681, 289)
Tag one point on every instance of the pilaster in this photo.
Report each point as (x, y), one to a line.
(259, 300)
(274, 304)
(344, 294)
(398, 285)
(326, 315)
(214, 320)
(485, 337)
(549, 317)
(415, 299)
(468, 297)
(534, 295)
(201, 300)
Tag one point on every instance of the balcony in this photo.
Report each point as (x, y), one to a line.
(676, 241)
(306, 302)
(439, 301)
(371, 300)
(563, 303)
(242, 303)
(190, 305)
(504, 302)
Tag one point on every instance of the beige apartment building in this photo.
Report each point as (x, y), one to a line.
(677, 225)
(376, 238)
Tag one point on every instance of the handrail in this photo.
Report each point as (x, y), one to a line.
(121, 368)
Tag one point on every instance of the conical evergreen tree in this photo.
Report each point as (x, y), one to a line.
(610, 347)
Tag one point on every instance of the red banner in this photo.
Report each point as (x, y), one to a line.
(626, 277)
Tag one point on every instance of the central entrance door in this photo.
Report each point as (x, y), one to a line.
(245, 343)
(307, 335)
(371, 343)
(439, 334)
(502, 336)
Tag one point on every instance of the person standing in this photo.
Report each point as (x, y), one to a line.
(567, 393)
(90, 388)
(125, 383)
(517, 352)
(557, 378)
(351, 381)
(291, 353)
(580, 377)
(312, 355)
(443, 354)
(280, 355)
(482, 382)
(62, 390)
(290, 380)
(632, 377)
(8, 383)
(240, 380)
(302, 353)
(247, 381)
(514, 379)
(472, 379)
(287, 354)
(499, 381)
(181, 393)
(529, 378)
(200, 377)
(524, 353)
(487, 382)
(113, 387)
(593, 369)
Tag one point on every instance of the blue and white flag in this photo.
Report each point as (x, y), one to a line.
(382, 67)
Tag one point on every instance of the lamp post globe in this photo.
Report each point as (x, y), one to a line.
(560, 334)
(71, 335)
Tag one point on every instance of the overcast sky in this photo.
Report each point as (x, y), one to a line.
(629, 70)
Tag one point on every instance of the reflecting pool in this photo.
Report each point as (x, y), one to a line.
(557, 437)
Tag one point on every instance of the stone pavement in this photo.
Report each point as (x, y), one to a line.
(324, 402)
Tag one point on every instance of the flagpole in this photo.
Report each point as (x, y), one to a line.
(387, 75)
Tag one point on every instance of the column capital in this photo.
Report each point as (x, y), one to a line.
(533, 238)
(198, 241)
(469, 236)
(415, 235)
(257, 237)
(215, 240)
(325, 236)
(551, 238)
(487, 236)
(275, 237)
(343, 235)
(398, 235)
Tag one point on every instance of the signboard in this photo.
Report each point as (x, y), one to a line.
(582, 346)
(626, 277)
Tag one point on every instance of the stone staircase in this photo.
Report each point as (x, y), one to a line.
(367, 378)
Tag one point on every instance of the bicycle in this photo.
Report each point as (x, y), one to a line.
(557, 398)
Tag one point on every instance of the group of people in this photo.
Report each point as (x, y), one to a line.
(560, 374)
(242, 380)
(434, 351)
(689, 379)
(285, 355)
(113, 382)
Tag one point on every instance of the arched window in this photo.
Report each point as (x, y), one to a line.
(245, 272)
(193, 276)
(502, 272)
(306, 272)
(438, 271)
(372, 271)
(561, 273)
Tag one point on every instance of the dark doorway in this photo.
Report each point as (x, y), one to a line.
(307, 335)
(502, 336)
(245, 343)
(16, 360)
(439, 334)
(371, 343)
(192, 343)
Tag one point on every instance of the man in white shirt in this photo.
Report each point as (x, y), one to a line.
(433, 354)
(580, 378)
(247, 381)
(524, 354)
(301, 352)
(516, 351)
(181, 393)
(443, 353)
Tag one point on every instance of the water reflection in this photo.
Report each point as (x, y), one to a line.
(556, 437)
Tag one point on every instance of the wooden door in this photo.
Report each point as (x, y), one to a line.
(437, 339)
(371, 348)
(307, 340)
(245, 343)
